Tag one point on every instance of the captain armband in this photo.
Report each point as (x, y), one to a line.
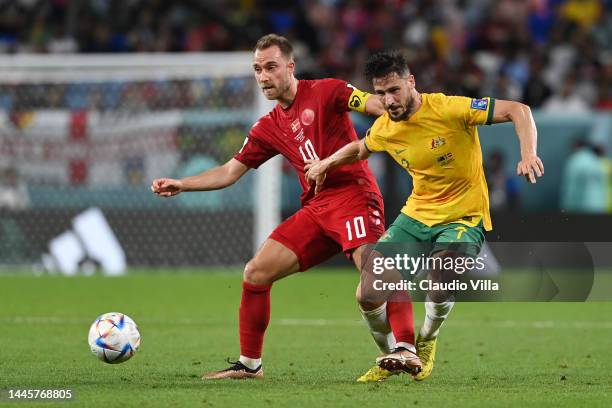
(357, 100)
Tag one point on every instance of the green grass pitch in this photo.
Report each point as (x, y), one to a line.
(490, 354)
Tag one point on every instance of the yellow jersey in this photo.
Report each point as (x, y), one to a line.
(439, 147)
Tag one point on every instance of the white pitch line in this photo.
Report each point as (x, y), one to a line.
(544, 324)
(547, 324)
(319, 322)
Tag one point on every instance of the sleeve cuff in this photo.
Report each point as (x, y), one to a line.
(490, 112)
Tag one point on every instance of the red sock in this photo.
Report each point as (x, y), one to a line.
(254, 317)
(401, 318)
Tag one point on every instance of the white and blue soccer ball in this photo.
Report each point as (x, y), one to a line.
(114, 337)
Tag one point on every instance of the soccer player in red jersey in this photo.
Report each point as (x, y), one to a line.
(310, 121)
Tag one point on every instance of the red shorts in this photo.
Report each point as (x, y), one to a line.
(341, 222)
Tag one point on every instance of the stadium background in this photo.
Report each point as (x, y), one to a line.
(98, 97)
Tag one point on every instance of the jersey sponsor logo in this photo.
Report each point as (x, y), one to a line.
(437, 142)
(307, 117)
(445, 159)
(295, 125)
(480, 104)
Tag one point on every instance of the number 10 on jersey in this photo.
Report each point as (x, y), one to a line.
(308, 151)
(358, 226)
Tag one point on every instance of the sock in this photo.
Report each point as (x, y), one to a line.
(435, 314)
(401, 319)
(407, 346)
(254, 318)
(379, 327)
(252, 363)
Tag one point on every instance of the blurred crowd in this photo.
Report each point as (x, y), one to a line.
(551, 54)
(128, 96)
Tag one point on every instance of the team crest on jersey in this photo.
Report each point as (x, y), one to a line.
(437, 142)
(307, 117)
(480, 104)
(295, 125)
(446, 159)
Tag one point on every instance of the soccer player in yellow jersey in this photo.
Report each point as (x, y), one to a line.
(434, 137)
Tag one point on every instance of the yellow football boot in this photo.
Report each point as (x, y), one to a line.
(426, 350)
(375, 374)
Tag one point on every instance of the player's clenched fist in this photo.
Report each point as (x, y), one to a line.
(166, 187)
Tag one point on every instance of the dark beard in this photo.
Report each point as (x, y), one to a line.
(406, 113)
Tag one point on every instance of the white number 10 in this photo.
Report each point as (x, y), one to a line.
(310, 151)
(360, 231)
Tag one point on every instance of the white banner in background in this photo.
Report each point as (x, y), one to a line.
(91, 241)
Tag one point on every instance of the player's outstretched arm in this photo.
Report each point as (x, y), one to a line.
(213, 179)
(530, 165)
(374, 106)
(316, 170)
(365, 102)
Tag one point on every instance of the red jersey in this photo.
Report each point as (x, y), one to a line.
(315, 126)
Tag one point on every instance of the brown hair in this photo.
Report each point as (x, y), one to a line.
(383, 63)
(270, 40)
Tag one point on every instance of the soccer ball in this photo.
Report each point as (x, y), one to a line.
(114, 338)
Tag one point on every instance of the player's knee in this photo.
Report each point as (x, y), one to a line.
(255, 274)
(367, 301)
(441, 274)
(369, 305)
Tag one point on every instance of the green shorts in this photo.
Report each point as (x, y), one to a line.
(408, 232)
